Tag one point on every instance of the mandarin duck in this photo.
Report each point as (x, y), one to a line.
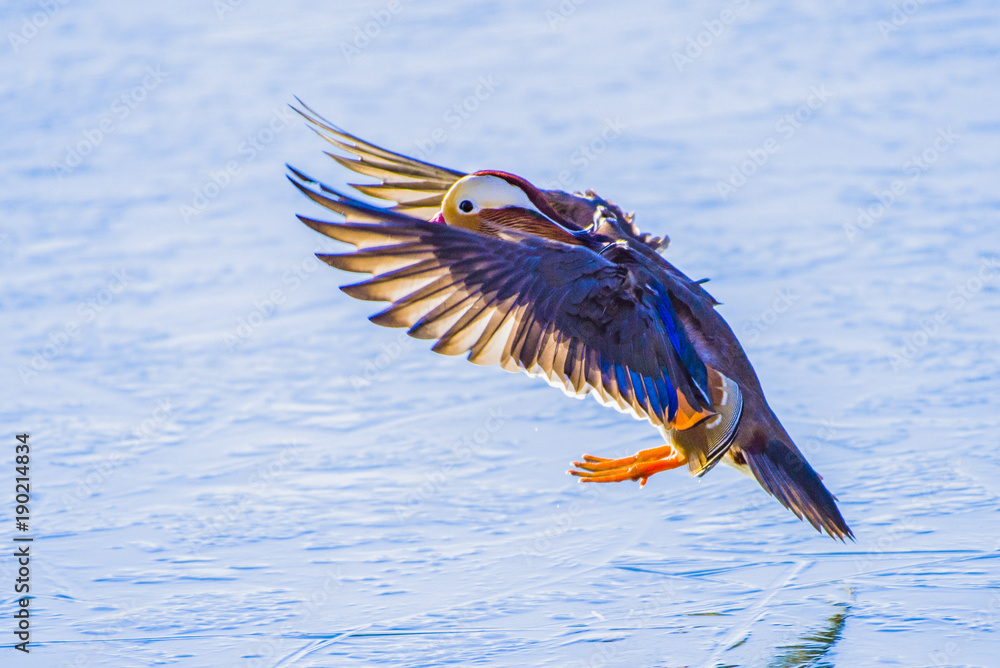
(565, 287)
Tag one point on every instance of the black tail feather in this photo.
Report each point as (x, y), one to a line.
(785, 474)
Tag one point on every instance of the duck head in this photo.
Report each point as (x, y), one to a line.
(489, 202)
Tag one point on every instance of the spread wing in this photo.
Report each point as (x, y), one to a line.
(418, 187)
(601, 324)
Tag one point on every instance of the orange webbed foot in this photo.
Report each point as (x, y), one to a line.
(639, 466)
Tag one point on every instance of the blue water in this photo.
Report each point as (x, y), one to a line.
(232, 467)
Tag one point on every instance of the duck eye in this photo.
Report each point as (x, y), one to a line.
(466, 206)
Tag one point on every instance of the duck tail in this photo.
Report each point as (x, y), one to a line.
(786, 475)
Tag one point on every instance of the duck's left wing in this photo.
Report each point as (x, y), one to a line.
(588, 322)
(417, 187)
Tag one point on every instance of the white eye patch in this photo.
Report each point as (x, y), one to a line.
(472, 194)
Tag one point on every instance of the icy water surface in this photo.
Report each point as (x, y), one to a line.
(232, 467)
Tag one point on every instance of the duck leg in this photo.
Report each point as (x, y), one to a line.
(639, 466)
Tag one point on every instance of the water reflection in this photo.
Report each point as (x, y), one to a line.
(811, 648)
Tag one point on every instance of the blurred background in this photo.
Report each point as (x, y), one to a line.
(231, 467)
